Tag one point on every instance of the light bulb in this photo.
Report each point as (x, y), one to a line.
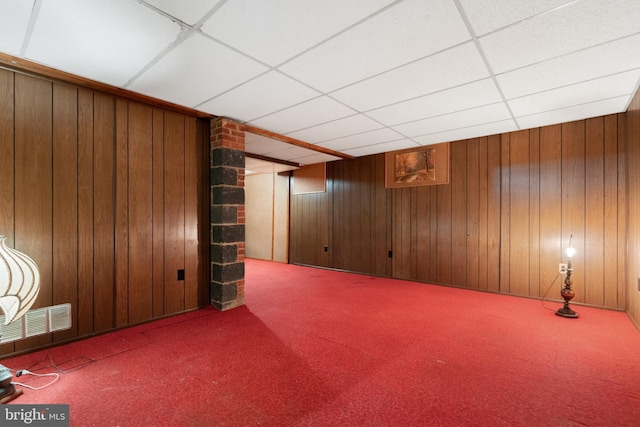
(570, 251)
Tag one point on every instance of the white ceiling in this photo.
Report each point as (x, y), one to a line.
(356, 76)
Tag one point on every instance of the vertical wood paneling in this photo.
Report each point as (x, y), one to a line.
(626, 138)
(158, 219)
(33, 185)
(80, 163)
(610, 221)
(104, 169)
(7, 172)
(86, 286)
(483, 214)
(473, 214)
(519, 210)
(534, 212)
(122, 217)
(550, 210)
(444, 244)
(192, 188)
(494, 202)
(65, 202)
(174, 173)
(459, 213)
(505, 214)
(594, 214)
(573, 199)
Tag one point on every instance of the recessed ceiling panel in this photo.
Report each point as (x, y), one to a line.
(447, 101)
(468, 132)
(409, 30)
(418, 78)
(579, 112)
(486, 16)
(474, 116)
(14, 19)
(188, 12)
(274, 31)
(362, 139)
(196, 70)
(381, 148)
(311, 113)
(578, 25)
(263, 95)
(581, 93)
(338, 128)
(108, 41)
(603, 60)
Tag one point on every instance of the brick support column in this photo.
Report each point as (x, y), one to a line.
(227, 214)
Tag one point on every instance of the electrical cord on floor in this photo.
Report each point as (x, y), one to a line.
(545, 294)
(21, 372)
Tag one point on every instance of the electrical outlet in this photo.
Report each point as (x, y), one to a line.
(562, 268)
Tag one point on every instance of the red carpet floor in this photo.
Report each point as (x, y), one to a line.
(315, 347)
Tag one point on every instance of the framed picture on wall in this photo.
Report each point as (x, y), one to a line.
(412, 167)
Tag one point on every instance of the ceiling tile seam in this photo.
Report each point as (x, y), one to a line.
(397, 67)
(580, 104)
(553, 58)
(604, 76)
(461, 128)
(520, 21)
(339, 33)
(33, 18)
(399, 134)
(402, 138)
(466, 21)
(184, 34)
(180, 22)
(382, 127)
(447, 114)
(424, 95)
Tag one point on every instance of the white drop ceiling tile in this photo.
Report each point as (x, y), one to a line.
(361, 139)
(409, 30)
(310, 113)
(460, 119)
(263, 95)
(258, 144)
(255, 166)
(469, 132)
(291, 152)
(315, 158)
(447, 101)
(581, 93)
(347, 126)
(486, 16)
(14, 20)
(188, 12)
(274, 31)
(428, 75)
(576, 26)
(107, 41)
(196, 70)
(578, 112)
(609, 58)
(381, 148)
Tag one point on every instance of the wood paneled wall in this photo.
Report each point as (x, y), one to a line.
(501, 224)
(633, 259)
(106, 195)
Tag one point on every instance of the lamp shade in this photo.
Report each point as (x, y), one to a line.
(570, 251)
(19, 282)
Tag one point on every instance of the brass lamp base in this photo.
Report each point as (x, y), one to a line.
(567, 312)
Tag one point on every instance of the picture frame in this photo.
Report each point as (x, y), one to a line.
(414, 167)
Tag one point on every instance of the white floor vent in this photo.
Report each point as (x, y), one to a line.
(36, 322)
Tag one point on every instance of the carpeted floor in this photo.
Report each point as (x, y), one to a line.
(315, 347)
